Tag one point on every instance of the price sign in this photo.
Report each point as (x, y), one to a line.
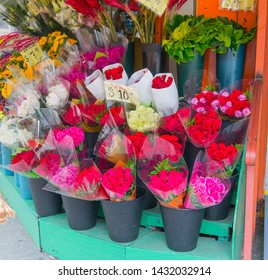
(32, 54)
(157, 6)
(121, 93)
(236, 5)
(17, 73)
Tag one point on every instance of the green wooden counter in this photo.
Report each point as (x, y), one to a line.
(220, 240)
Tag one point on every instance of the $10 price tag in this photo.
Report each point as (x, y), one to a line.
(121, 93)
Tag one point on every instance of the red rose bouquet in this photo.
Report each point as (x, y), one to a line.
(223, 158)
(164, 173)
(87, 184)
(23, 161)
(205, 101)
(165, 94)
(115, 73)
(142, 81)
(72, 115)
(205, 188)
(137, 139)
(201, 128)
(115, 116)
(172, 124)
(235, 105)
(92, 109)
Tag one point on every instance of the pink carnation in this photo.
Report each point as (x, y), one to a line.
(65, 177)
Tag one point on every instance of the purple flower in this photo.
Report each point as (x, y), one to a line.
(215, 103)
(200, 110)
(229, 104)
(242, 97)
(194, 101)
(238, 114)
(225, 94)
(203, 100)
(246, 112)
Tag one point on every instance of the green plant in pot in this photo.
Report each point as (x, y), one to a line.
(229, 43)
(187, 39)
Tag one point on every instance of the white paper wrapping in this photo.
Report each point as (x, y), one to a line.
(123, 80)
(144, 79)
(166, 100)
(94, 84)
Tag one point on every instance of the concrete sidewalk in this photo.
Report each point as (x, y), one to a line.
(16, 243)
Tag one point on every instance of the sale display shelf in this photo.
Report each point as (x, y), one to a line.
(218, 240)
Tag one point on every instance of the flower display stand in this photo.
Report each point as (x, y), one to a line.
(218, 240)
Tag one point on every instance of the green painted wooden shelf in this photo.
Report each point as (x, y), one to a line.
(54, 236)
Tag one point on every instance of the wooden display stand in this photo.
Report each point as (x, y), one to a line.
(220, 240)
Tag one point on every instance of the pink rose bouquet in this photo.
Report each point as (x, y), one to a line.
(205, 187)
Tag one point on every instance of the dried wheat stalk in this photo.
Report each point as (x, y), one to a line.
(5, 211)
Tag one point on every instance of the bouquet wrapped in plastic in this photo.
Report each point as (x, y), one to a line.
(91, 108)
(141, 118)
(119, 175)
(205, 187)
(163, 171)
(202, 128)
(58, 162)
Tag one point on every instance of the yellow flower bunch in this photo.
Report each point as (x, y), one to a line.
(53, 42)
(5, 74)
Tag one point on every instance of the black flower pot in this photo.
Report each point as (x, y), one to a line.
(123, 218)
(46, 203)
(182, 227)
(220, 211)
(154, 58)
(91, 138)
(81, 214)
(149, 201)
(190, 153)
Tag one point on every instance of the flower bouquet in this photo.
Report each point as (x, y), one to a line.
(223, 158)
(115, 73)
(234, 105)
(95, 84)
(141, 118)
(205, 187)
(23, 101)
(171, 124)
(205, 100)
(58, 162)
(115, 116)
(142, 81)
(202, 128)
(165, 94)
(78, 136)
(91, 108)
(71, 115)
(163, 170)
